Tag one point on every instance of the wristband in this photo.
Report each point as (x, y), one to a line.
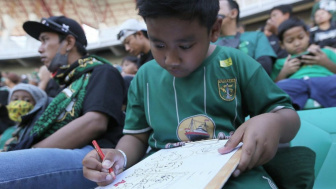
(125, 157)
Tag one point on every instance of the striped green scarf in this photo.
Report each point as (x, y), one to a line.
(67, 105)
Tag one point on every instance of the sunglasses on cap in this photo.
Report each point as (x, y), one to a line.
(56, 26)
(123, 32)
(222, 16)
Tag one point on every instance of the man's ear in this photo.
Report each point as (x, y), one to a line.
(233, 14)
(215, 30)
(140, 34)
(71, 41)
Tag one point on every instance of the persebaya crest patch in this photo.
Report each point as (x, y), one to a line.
(227, 89)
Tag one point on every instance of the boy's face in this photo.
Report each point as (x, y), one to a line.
(180, 46)
(322, 16)
(129, 67)
(278, 17)
(22, 95)
(295, 40)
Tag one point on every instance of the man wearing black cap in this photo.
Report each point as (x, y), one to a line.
(89, 107)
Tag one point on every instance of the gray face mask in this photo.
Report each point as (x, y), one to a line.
(58, 61)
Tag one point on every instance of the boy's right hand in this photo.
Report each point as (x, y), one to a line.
(97, 171)
(291, 65)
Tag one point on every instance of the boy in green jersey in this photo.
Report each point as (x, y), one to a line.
(194, 82)
(304, 75)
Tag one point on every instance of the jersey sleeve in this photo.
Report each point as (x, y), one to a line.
(263, 94)
(136, 121)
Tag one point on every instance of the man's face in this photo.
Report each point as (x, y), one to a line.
(278, 17)
(179, 46)
(134, 43)
(49, 46)
(224, 9)
(295, 40)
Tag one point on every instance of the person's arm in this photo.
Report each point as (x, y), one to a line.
(261, 136)
(290, 67)
(77, 133)
(134, 147)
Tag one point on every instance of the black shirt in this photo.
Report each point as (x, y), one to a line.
(105, 93)
(144, 58)
(323, 37)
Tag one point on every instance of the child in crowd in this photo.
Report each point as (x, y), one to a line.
(324, 33)
(25, 100)
(307, 76)
(12, 79)
(129, 66)
(193, 79)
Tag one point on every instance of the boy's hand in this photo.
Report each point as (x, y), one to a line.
(291, 65)
(97, 171)
(260, 143)
(319, 57)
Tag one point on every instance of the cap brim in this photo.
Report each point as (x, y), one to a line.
(34, 29)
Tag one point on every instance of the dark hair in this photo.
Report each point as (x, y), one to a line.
(288, 24)
(81, 50)
(133, 59)
(204, 10)
(283, 8)
(234, 5)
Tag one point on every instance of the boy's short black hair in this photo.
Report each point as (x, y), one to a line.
(204, 10)
(288, 24)
(234, 5)
(283, 8)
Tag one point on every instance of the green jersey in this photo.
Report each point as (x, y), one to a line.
(209, 103)
(254, 44)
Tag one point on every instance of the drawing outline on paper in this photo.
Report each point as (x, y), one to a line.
(192, 166)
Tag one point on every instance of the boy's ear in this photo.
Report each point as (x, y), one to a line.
(281, 45)
(215, 30)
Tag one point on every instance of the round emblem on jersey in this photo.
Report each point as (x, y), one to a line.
(198, 127)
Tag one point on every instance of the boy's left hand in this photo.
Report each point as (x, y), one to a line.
(319, 57)
(260, 143)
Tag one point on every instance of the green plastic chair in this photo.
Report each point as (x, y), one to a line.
(318, 132)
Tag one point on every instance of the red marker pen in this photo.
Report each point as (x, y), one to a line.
(102, 156)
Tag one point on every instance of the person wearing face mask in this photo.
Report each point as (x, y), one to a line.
(89, 107)
(25, 101)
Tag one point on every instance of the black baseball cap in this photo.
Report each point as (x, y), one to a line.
(58, 24)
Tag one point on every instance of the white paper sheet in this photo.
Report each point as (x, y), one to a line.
(190, 166)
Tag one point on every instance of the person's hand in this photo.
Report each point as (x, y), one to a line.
(271, 26)
(291, 66)
(260, 142)
(318, 57)
(44, 76)
(97, 171)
